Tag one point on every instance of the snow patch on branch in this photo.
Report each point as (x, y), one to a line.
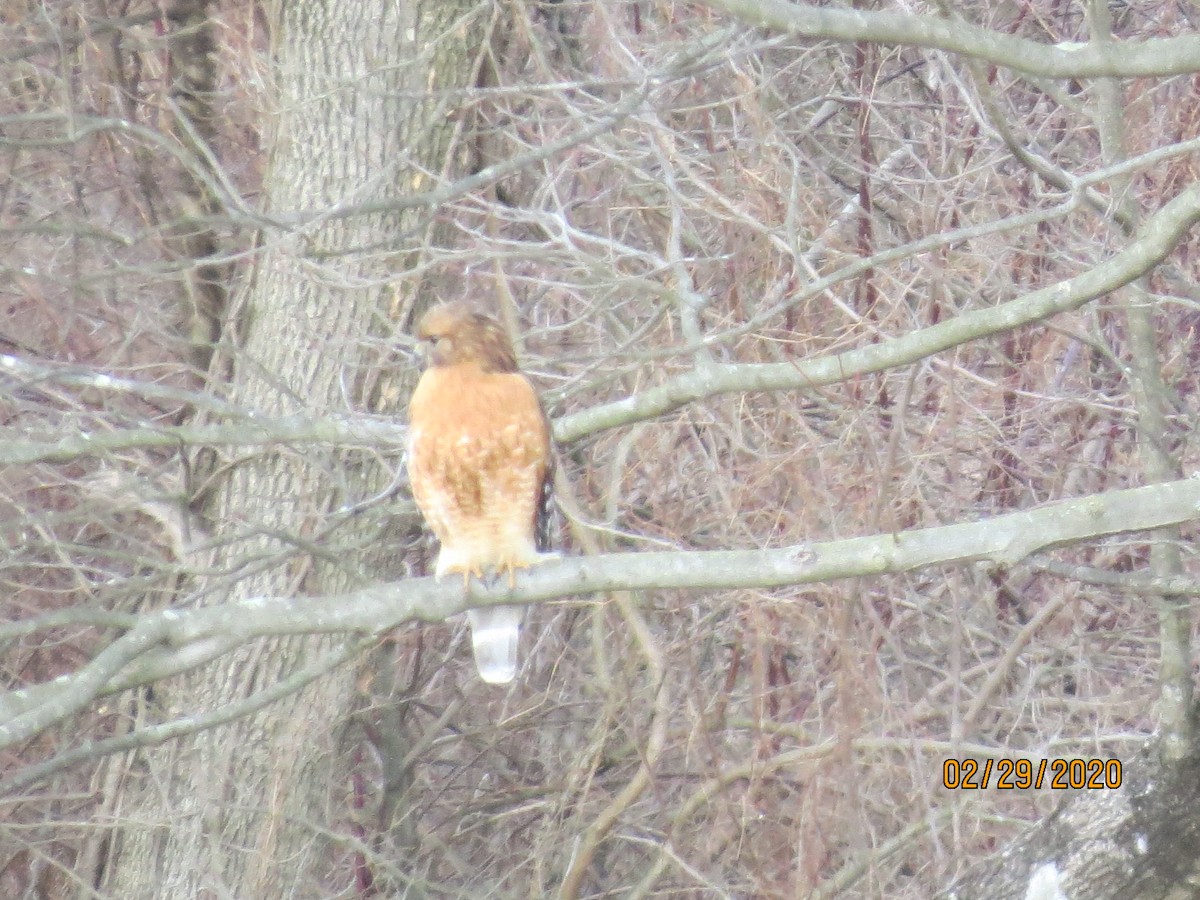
(1045, 884)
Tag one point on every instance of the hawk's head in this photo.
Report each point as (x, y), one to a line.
(453, 334)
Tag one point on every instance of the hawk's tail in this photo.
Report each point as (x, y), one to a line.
(494, 634)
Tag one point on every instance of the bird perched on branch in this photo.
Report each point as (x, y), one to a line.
(480, 466)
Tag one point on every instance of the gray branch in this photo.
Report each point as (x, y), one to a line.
(344, 431)
(1154, 242)
(1125, 59)
(173, 640)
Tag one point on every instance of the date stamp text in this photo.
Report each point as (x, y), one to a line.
(1078, 773)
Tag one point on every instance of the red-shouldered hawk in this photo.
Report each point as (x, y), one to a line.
(479, 465)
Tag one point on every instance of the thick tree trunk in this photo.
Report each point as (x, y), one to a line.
(242, 810)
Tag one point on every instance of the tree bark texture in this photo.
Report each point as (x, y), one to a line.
(366, 96)
(1141, 842)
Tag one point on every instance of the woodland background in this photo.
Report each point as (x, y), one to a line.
(784, 275)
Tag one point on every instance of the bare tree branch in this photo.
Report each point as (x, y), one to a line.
(152, 735)
(1156, 240)
(344, 431)
(1003, 540)
(1161, 56)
